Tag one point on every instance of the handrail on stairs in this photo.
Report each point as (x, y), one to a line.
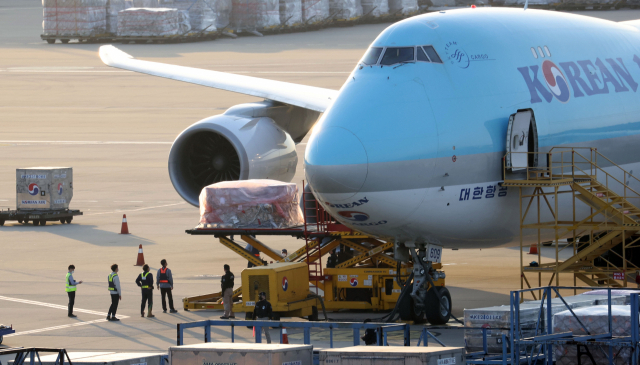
(559, 170)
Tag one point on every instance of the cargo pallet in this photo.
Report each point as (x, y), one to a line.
(38, 217)
(365, 281)
(109, 38)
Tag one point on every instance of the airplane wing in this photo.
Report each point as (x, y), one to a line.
(308, 97)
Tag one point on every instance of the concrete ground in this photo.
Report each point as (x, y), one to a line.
(60, 106)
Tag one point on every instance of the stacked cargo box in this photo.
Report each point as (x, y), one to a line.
(202, 14)
(251, 15)
(345, 9)
(74, 17)
(403, 6)
(290, 12)
(148, 22)
(113, 7)
(596, 321)
(314, 11)
(375, 7)
(500, 317)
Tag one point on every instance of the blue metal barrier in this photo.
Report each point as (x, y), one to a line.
(383, 329)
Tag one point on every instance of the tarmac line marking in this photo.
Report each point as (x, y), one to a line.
(135, 210)
(60, 327)
(90, 142)
(50, 305)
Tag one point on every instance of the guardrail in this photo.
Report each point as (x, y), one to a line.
(31, 355)
(383, 329)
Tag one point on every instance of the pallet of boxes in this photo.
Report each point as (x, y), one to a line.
(138, 21)
(43, 195)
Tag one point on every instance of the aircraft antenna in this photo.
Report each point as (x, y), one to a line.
(526, 4)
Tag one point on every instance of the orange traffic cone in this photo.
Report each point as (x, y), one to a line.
(285, 338)
(125, 226)
(533, 250)
(140, 261)
(254, 332)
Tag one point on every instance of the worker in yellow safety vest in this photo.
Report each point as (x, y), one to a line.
(71, 290)
(115, 291)
(145, 282)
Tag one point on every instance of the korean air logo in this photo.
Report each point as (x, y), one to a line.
(556, 81)
(60, 189)
(354, 282)
(354, 216)
(34, 189)
(285, 283)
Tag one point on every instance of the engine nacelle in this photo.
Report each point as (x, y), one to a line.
(243, 143)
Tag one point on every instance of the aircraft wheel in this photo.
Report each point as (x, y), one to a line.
(408, 310)
(436, 314)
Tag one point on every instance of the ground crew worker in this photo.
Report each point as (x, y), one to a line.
(71, 290)
(284, 252)
(115, 291)
(164, 281)
(262, 312)
(227, 292)
(145, 282)
(332, 261)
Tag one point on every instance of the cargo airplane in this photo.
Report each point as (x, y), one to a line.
(411, 147)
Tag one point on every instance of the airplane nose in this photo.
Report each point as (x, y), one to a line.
(336, 162)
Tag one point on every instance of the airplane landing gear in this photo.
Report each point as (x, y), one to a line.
(429, 297)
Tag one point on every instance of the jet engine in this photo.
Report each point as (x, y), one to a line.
(248, 141)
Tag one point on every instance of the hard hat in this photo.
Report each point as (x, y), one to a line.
(262, 294)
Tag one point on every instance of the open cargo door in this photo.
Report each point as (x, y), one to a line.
(522, 137)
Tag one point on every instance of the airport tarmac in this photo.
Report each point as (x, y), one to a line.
(60, 106)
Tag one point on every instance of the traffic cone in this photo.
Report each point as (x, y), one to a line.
(125, 226)
(533, 250)
(285, 338)
(140, 261)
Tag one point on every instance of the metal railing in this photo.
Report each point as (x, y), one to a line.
(31, 355)
(383, 329)
(569, 163)
(540, 346)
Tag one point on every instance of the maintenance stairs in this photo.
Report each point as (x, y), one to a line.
(601, 238)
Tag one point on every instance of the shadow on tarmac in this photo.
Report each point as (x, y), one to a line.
(83, 233)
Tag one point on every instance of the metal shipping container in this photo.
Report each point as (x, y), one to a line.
(48, 188)
(241, 354)
(392, 355)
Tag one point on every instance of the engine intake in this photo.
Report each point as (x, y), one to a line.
(231, 146)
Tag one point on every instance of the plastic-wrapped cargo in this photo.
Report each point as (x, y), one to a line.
(440, 3)
(618, 297)
(144, 3)
(223, 12)
(202, 14)
(314, 11)
(48, 188)
(250, 204)
(290, 12)
(345, 9)
(375, 7)
(500, 317)
(403, 6)
(595, 319)
(252, 15)
(158, 22)
(74, 17)
(113, 7)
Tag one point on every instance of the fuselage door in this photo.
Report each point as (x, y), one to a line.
(522, 137)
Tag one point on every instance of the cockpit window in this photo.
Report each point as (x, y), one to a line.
(421, 56)
(397, 55)
(372, 56)
(433, 55)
